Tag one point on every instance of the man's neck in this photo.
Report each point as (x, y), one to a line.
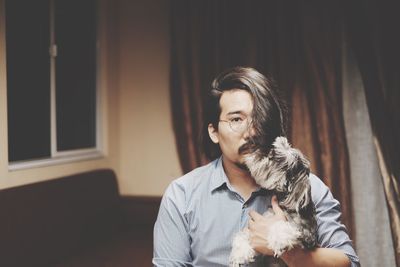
(240, 179)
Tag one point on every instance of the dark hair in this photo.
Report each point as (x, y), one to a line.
(269, 109)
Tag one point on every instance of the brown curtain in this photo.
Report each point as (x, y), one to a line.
(317, 115)
(373, 29)
(298, 44)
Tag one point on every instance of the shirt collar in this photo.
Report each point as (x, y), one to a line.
(219, 178)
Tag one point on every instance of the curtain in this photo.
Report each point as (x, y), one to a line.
(298, 44)
(375, 40)
(367, 188)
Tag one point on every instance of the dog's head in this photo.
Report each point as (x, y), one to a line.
(285, 170)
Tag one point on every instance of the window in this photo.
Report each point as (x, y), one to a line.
(51, 48)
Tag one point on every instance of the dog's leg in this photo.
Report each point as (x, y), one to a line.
(282, 236)
(241, 252)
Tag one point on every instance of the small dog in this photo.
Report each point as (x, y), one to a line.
(285, 171)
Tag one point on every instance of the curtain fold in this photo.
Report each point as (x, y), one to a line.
(298, 44)
(375, 40)
(320, 89)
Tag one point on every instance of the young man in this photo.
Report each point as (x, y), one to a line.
(201, 211)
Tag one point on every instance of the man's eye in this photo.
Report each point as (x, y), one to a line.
(236, 119)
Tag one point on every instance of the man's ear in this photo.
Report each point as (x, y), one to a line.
(213, 133)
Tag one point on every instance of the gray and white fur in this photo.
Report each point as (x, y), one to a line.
(285, 171)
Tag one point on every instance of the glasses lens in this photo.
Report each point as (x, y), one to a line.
(239, 126)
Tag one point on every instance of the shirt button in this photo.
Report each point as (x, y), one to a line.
(244, 206)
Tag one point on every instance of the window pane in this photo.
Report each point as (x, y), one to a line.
(28, 86)
(75, 27)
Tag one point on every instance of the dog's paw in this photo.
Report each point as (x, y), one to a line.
(282, 236)
(242, 252)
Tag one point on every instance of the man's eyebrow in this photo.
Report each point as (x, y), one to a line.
(235, 112)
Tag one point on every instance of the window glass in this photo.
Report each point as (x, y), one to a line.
(41, 87)
(28, 79)
(75, 35)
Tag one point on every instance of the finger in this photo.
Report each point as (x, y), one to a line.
(254, 215)
(275, 206)
(250, 225)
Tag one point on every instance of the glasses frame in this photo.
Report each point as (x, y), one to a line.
(246, 128)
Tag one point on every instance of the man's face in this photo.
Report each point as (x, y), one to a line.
(236, 107)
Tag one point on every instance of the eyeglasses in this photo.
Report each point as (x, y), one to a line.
(238, 125)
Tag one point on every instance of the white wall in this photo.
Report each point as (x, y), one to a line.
(148, 156)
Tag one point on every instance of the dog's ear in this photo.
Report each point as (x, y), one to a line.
(298, 195)
(298, 184)
(297, 169)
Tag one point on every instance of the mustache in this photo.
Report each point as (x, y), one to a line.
(255, 143)
(248, 147)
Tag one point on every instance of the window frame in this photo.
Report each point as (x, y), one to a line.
(74, 155)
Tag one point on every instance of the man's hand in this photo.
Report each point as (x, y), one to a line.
(259, 227)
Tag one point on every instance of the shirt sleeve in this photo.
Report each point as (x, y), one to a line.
(331, 232)
(171, 238)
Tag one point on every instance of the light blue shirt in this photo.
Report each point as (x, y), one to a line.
(201, 212)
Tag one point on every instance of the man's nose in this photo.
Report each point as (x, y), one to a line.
(249, 132)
